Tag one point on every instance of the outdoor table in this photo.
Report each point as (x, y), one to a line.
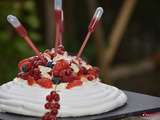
(136, 105)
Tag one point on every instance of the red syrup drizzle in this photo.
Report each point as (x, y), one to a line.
(59, 28)
(52, 106)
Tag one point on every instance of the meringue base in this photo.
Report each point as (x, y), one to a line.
(92, 98)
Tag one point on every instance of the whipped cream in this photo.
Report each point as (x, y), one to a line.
(93, 97)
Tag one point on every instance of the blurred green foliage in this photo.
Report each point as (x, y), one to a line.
(13, 48)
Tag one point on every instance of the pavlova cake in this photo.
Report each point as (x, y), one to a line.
(55, 84)
(79, 91)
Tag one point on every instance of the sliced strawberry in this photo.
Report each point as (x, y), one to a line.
(24, 62)
(25, 76)
(31, 81)
(74, 84)
(61, 64)
(46, 83)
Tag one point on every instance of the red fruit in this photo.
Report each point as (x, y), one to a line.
(82, 71)
(26, 76)
(61, 64)
(40, 62)
(49, 98)
(36, 71)
(35, 58)
(90, 77)
(93, 71)
(74, 84)
(49, 116)
(68, 71)
(69, 78)
(31, 81)
(36, 77)
(76, 77)
(54, 112)
(47, 106)
(65, 72)
(55, 97)
(57, 105)
(46, 83)
(53, 93)
(24, 62)
(55, 72)
(51, 105)
(62, 73)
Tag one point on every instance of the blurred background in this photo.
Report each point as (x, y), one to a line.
(125, 45)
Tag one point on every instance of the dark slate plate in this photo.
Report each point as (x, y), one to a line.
(136, 105)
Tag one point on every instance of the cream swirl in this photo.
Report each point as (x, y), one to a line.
(91, 98)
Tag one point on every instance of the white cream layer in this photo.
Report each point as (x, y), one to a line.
(89, 99)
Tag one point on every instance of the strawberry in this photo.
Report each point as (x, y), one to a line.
(46, 83)
(30, 81)
(25, 76)
(26, 63)
(66, 78)
(74, 84)
(61, 64)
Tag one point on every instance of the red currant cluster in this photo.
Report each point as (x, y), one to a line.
(52, 105)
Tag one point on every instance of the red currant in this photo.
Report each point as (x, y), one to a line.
(90, 77)
(54, 106)
(55, 96)
(82, 71)
(49, 116)
(47, 105)
(53, 93)
(49, 98)
(93, 71)
(54, 112)
(57, 105)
